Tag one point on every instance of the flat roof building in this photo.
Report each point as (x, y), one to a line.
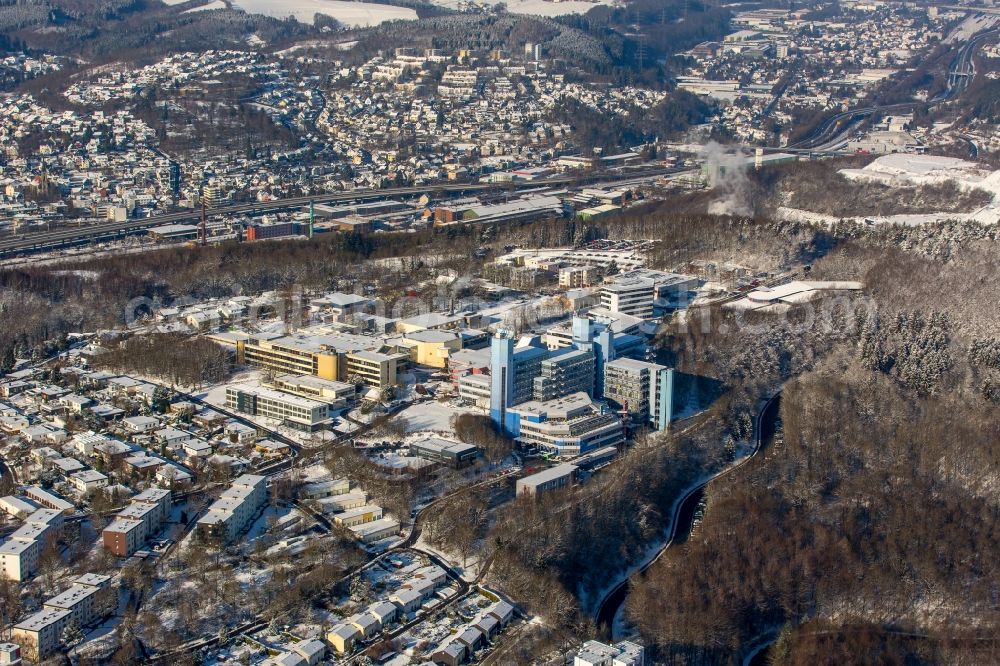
(89, 598)
(17, 507)
(140, 520)
(124, 536)
(48, 499)
(358, 516)
(337, 357)
(625, 653)
(351, 500)
(383, 528)
(20, 553)
(574, 277)
(334, 393)
(292, 411)
(547, 480)
(644, 390)
(321, 489)
(563, 372)
(567, 426)
(40, 635)
(514, 364)
(633, 293)
(229, 515)
(429, 347)
(453, 454)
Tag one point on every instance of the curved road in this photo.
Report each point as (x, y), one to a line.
(681, 520)
(837, 127)
(257, 623)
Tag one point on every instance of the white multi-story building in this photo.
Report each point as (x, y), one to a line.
(474, 389)
(335, 394)
(229, 514)
(635, 292)
(88, 479)
(291, 410)
(567, 426)
(20, 554)
(88, 599)
(40, 634)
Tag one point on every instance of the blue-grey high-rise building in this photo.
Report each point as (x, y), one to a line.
(513, 368)
(523, 370)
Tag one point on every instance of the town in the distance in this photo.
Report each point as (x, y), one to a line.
(437, 332)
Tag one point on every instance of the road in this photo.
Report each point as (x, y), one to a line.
(50, 240)
(681, 519)
(835, 130)
(465, 588)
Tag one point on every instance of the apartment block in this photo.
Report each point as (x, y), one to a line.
(20, 553)
(40, 635)
(124, 536)
(229, 514)
(137, 522)
(89, 598)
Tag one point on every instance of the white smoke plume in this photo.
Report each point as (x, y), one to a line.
(728, 178)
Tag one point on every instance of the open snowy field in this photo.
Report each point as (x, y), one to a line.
(215, 4)
(353, 14)
(902, 169)
(905, 170)
(430, 417)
